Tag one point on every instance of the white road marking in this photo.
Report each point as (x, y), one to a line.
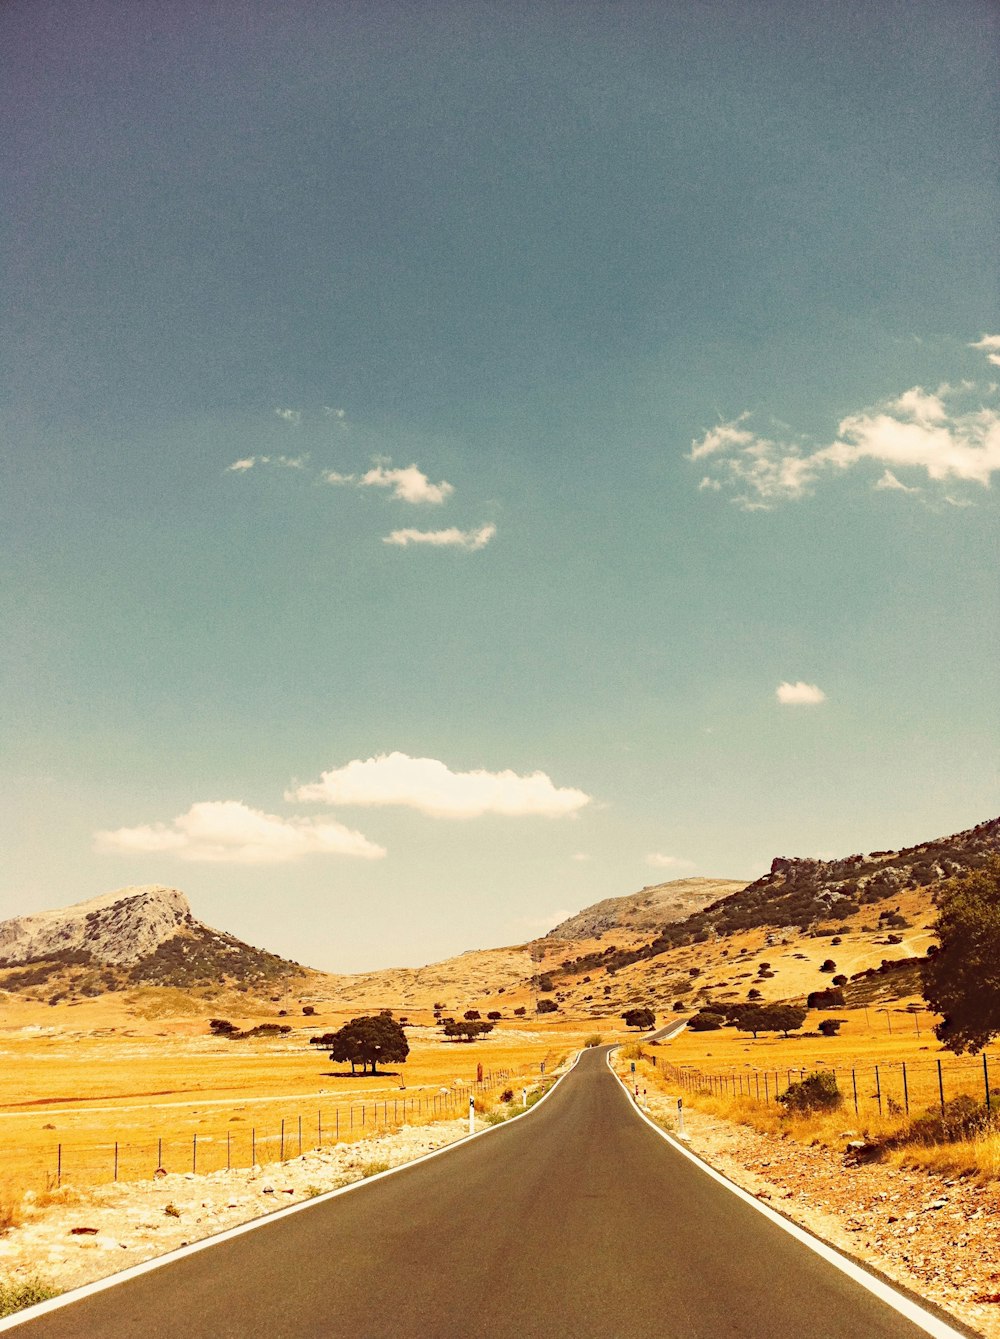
(883, 1290)
(99, 1285)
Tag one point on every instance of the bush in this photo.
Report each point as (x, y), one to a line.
(16, 1294)
(507, 1095)
(679, 1006)
(828, 965)
(520, 1012)
(816, 1092)
(594, 1039)
(831, 1026)
(963, 1118)
(546, 1007)
(706, 1022)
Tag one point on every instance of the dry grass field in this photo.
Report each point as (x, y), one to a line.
(893, 1086)
(76, 1082)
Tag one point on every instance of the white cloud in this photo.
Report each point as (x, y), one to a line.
(799, 694)
(292, 416)
(888, 481)
(432, 788)
(280, 462)
(659, 861)
(470, 540)
(229, 832)
(990, 344)
(408, 485)
(947, 433)
(333, 477)
(331, 412)
(239, 466)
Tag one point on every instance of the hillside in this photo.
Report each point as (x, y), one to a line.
(652, 907)
(142, 935)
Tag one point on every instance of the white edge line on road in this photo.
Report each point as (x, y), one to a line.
(147, 1266)
(906, 1306)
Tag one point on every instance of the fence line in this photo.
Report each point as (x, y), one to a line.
(323, 1127)
(891, 1087)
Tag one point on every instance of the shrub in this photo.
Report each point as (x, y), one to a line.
(816, 1092)
(546, 1007)
(520, 1012)
(706, 1022)
(840, 980)
(507, 1095)
(828, 965)
(594, 1039)
(963, 1118)
(15, 1294)
(831, 1026)
(679, 1006)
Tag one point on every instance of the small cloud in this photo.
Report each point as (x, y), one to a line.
(408, 485)
(581, 856)
(951, 433)
(990, 345)
(889, 481)
(659, 861)
(338, 414)
(292, 416)
(290, 462)
(239, 466)
(229, 832)
(470, 540)
(799, 694)
(432, 788)
(333, 477)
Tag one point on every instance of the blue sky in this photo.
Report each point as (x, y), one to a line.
(464, 461)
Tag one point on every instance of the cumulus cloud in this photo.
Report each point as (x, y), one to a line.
(990, 345)
(432, 788)
(292, 416)
(229, 832)
(799, 694)
(950, 435)
(247, 463)
(453, 538)
(408, 485)
(659, 861)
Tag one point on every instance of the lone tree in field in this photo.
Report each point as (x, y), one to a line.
(642, 1018)
(962, 979)
(368, 1040)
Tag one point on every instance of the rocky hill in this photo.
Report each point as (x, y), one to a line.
(653, 907)
(133, 936)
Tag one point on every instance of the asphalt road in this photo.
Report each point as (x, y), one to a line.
(577, 1222)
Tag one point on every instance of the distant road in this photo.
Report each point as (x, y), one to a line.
(577, 1222)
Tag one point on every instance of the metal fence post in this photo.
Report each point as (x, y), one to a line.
(940, 1086)
(854, 1085)
(878, 1091)
(906, 1090)
(986, 1083)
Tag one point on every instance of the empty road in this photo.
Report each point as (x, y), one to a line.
(577, 1222)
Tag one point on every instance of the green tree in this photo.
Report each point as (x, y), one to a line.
(468, 1029)
(368, 1040)
(641, 1018)
(962, 979)
(769, 1018)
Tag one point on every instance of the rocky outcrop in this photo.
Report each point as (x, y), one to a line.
(653, 907)
(117, 928)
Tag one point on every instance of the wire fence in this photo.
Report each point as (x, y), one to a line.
(891, 1087)
(289, 1136)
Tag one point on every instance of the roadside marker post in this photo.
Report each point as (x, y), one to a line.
(680, 1116)
(472, 1114)
(524, 1097)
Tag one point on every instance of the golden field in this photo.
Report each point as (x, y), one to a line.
(169, 1093)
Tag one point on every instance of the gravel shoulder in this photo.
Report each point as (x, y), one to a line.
(88, 1235)
(937, 1237)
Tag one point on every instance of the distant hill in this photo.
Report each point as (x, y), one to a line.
(653, 907)
(133, 936)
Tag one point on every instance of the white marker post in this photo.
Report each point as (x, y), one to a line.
(472, 1114)
(524, 1097)
(680, 1116)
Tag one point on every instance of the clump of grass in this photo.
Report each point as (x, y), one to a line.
(16, 1294)
(631, 1050)
(312, 1191)
(53, 1194)
(172, 1211)
(495, 1117)
(373, 1168)
(11, 1210)
(594, 1039)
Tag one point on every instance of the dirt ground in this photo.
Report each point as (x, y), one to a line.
(936, 1236)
